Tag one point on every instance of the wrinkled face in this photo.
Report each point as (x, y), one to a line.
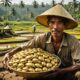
(56, 26)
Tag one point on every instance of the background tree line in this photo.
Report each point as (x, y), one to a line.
(22, 11)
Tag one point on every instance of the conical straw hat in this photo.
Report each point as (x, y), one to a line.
(59, 11)
(7, 27)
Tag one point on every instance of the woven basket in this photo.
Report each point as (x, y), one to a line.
(33, 74)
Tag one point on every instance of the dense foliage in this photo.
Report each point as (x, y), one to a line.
(24, 12)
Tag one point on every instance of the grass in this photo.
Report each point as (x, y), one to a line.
(73, 32)
(8, 40)
(5, 49)
(27, 26)
(78, 37)
(11, 40)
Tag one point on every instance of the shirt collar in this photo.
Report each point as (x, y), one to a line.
(49, 40)
(64, 40)
(63, 43)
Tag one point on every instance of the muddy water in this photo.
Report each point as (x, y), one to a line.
(22, 36)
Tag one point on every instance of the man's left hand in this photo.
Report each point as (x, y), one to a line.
(55, 73)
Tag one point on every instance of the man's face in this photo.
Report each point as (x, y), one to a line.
(56, 26)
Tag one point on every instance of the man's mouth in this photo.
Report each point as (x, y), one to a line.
(55, 31)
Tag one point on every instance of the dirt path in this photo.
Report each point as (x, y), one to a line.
(6, 74)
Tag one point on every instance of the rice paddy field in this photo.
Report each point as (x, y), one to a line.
(26, 26)
(6, 44)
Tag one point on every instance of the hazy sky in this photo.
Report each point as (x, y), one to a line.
(39, 1)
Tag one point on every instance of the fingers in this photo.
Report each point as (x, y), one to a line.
(51, 75)
(5, 61)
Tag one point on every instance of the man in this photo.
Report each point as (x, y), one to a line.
(67, 47)
(34, 28)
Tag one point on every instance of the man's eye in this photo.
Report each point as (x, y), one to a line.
(60, 21)
(52, 22)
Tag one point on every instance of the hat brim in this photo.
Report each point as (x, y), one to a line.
(43, 20)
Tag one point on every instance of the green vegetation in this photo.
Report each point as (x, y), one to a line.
(5, 49)
(78, 37)
(11, 40)
(20, 17)
(8, 40)
(73, 32)
(23, 12)
(24, 26)
(27, 26)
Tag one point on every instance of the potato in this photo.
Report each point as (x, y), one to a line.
(47, 60)
(31, 70)
(44, 69)
(29, 61)
(41, 58)
(25, 68)
(38, 65)
(56, 60)
(38, 69)
(53, 63)
(30, 65)
(20, 65)
(39, 54)
(34, 60)
(49, 65)
(45, 56)
(18, 69)
(14, 65)
(22, 60)
(43, 63)
(10, 63)
(29, 57)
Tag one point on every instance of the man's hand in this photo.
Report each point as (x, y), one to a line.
(73, 68)
(5, 60)
(55, 73)
(6, 57)
(59, 72)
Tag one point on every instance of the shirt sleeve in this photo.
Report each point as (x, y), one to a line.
(75, 51)
(34, 43)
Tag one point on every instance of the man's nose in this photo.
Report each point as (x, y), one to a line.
(55, 26)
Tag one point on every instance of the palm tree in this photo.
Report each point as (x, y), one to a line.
(62, 2)
(79, 6)
(35, 4)
(6, 3)
(28, 11)
(13, 11)
(31, 15)
(42, 4)
(74, 5)
(53, 2)
(22, 5)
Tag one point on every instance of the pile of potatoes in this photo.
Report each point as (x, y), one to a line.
(34, 60)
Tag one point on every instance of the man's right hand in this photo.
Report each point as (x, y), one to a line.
(6, 57)
(5, 60)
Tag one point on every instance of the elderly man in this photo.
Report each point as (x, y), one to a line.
(67, 47)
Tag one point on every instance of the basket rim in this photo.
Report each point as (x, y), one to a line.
(33, 72)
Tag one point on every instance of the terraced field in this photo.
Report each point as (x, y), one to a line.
(13, 42)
